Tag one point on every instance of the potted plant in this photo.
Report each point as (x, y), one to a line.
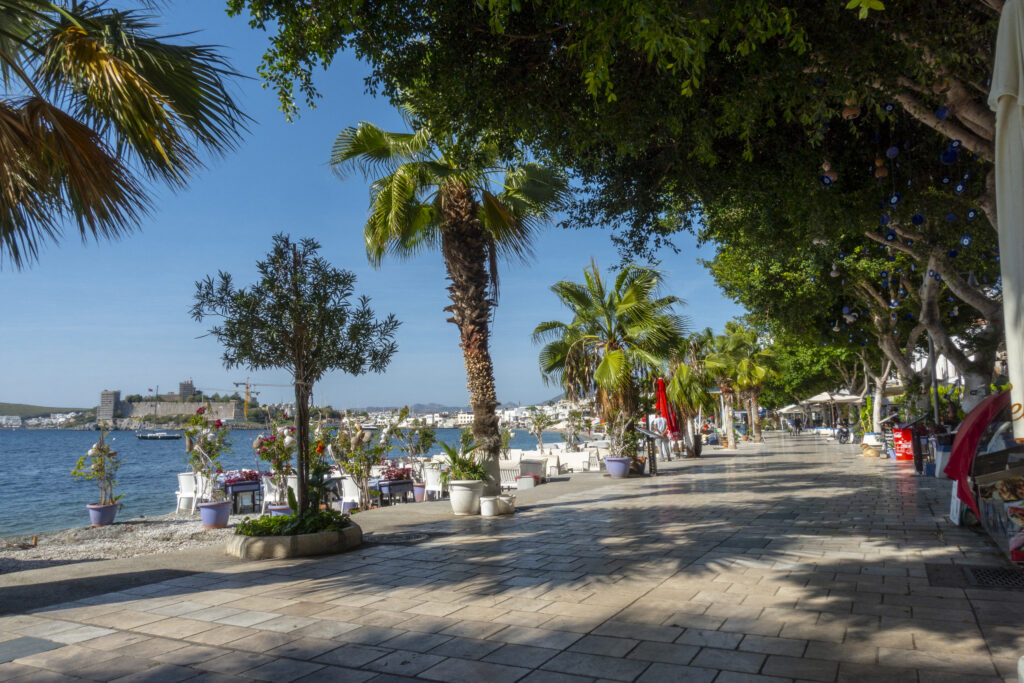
(464, 478)
(618, 461)
(208, 439)
(355, 452)
(276, 450)
(100, 464)
(419, 438)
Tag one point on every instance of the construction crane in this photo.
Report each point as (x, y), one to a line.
(249, 393)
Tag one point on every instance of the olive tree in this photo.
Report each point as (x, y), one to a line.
(298, 316)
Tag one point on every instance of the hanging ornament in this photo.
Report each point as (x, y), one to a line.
(931, 273)
(952, 253)
(959, 188)
(949, 156)
(890, 236)
(829, 177)
(892, 152)
(895, 199)
(965, 240)
(910, 243)
(903, 291)
(941, 113)
(889, 107)
(955, 144)
(826, 165)
(884, 219)
(846, 310)
(819, 241)
(894, 317)
(917, 218)
(835, 328)
(913, 267)
(972, 214)
(881, 172)
(946, 180)
(955, 312)
(938, 277)
(842, 255)
(894, 303)
(879, 162)
(835, 271)
(950, 217)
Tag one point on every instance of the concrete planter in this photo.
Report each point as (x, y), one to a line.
(281, 547)
(465, 496)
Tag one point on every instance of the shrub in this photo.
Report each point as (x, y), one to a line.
(312, 522)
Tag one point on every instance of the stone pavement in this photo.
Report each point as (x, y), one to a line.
(795, 560)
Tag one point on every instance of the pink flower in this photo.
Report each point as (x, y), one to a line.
(218, 424)
(201, 410)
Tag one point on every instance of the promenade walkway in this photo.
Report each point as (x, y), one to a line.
(794, 560)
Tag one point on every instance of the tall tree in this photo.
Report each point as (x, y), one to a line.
(462, 197)
(298, 316)
(93, 106)
(619, 331)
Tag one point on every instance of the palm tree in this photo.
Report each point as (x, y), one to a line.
(616, 334)
(460, 196)
(755, 366)
(688, 387)
(722, 364)
(93, 106)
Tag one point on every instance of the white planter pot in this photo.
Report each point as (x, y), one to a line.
(489, 506)
(465, 496)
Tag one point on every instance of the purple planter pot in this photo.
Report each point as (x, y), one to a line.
(279, 510)
(417, 491)
(618, 468)
(102, 515)
(215, 515)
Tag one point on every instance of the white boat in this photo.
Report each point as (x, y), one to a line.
(157, 436)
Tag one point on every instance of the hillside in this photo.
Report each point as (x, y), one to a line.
(23, 410)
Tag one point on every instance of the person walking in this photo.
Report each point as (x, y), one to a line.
(659, 425)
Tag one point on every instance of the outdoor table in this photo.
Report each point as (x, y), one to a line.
(237, 489)
(391, 488)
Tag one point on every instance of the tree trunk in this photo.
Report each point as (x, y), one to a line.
(755, 419)
(730, 438)
(465, 249)
(302, 441)
(976, 388)
(876, 404)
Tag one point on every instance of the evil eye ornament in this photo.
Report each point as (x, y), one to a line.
(884, 274)
(826, 181)
(946, 180)
(949, 157)
(903, 291)
(950, 217)
(959, 188)
(917, 218)
(889, 107)
(972, 214)
(941, 113)
(894, 303)
(931, 273)
(965, 240)
(892, 152)
(895, 199)
(955, 144)
(952, 253)
(938, 277)
(842, 255)
(846, 310)
(893, 317)
(890, 236)
(884, 219)
(910, 243)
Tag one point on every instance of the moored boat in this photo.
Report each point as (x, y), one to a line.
(157, 436)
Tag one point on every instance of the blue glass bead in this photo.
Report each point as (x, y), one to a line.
(885, 274)
(931, 272)
(892, 152)
(955, 144)
(959, 188)
(890, 236)
(949, 156)
(941, 113)
(946, 180)
(884, 219)
(972, 214)
(952, 253)
(846, 310)
(894, 303)
(826, 181)
(889, 107)
(895, 199)
(910, 243)
(917, 218)
(950, 217)
(842, 254)
(965, 240)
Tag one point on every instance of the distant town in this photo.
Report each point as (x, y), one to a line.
(172, 410)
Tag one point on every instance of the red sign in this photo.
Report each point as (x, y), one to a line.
(902, 444)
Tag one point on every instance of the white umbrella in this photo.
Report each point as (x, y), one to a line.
(1006, 98)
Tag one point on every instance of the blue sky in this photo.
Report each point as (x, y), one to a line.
(93, 316)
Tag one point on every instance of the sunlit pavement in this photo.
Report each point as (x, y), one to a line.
(790, 560)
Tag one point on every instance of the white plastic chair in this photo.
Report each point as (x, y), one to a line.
(186, 490)
(432, 480)
(292, 482)
(533, 466)
(350, 495)
(269, 493)
(203, 488)
(508, 477)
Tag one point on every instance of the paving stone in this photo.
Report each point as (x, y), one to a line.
(668, 653)
(161, 673)
(621, 629)
(858, 673)
(404, 663)
(282, 670)
(521, 655)
(604, 645)
(597, 666)
(554, 677)
(729, 660)
(233, 662)
(796, 667)
(538, 637)
(351, 655)
(718, 639)
(17, 648)
(454, 669)
(738, 677)
(670, 673)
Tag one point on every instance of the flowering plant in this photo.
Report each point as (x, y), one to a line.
(277, 449)
(100, 464)
(355, 452)
(206, 440)
(392, 473)
(238, 476)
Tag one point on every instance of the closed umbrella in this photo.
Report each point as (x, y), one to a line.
(661, 402)
(1006, 98)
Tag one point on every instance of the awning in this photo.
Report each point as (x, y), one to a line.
(791, 408)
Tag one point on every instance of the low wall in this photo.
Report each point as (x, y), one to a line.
(225, 410)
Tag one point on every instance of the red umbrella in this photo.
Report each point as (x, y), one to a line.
(966, 443)
(661, 403)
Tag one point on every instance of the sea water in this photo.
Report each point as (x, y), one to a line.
(40, 495)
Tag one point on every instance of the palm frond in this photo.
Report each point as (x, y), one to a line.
(373, 151)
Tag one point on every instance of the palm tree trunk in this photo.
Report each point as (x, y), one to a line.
(302, 443)
(465, 250)
(727, 408)
(755, 419)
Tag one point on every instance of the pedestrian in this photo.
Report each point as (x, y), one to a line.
(659, 425)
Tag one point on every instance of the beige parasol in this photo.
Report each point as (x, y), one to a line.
(1006, 98)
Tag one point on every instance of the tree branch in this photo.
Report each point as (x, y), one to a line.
(914, 107)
